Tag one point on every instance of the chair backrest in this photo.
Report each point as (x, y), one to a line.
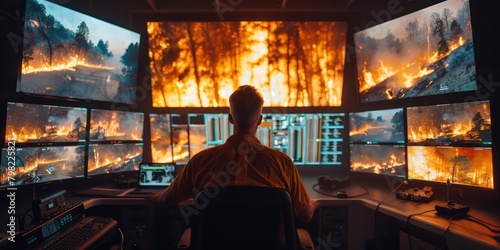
(243, 217)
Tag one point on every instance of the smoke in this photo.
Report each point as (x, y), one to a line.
(116, 122)
(69, 119)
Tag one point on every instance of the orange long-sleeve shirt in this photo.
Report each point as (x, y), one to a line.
(241, 160)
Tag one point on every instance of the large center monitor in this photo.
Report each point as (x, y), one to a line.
(199, 64)
(72, 55)
(427, 52)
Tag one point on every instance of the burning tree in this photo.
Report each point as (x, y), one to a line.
(456, 30)
(81, 38)
(439, 31)
(130, 59)
(461, 165)
(200, 64)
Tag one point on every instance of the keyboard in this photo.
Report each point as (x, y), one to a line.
(82, 235)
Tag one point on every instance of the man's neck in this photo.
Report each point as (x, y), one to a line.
(251, 131)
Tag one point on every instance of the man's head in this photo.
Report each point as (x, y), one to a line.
(245, 107)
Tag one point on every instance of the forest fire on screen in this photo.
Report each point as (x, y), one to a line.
(199, 64)
(428, 52)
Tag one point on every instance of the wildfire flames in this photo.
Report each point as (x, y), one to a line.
(116, 125)
(458, 122)
(469, 165)
(201, 64)
(66, 63)
(114, 156)
(378, 168)
(371, 77)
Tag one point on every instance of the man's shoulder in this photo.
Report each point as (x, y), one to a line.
(206, 152)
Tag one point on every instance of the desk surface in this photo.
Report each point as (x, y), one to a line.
(480, 227)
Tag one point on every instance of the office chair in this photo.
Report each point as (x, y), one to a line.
(244, 217)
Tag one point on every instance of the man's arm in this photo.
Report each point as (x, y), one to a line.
(304, 207)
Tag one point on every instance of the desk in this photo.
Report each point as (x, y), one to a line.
(138, 218)
(364, 223)
(465, 232)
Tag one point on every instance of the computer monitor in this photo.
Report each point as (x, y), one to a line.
(199, 64)
(457, 124)
(471, 166)
(377, 142)
(37, 123)
(308, 138)
(73, 55)
(378, 159)
(112, 125)
(114, 158)
(30, 165)
(377, 126)
(451, 141)
(427, 52)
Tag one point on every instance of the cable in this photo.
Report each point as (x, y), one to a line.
(448, 228)
(483, 223)
(408, 224)
(336, 196)
(123, 238)
(23, 224)
(405, 182)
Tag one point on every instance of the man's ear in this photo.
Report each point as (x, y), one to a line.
(260, 120)
(231, 118)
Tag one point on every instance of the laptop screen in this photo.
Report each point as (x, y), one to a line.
(156, 174)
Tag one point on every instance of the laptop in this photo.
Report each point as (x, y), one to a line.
(154, 177)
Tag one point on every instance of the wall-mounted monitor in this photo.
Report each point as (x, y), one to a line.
(461, 165)
(114, 158)
(72, 55)
(377, 126)
(112, 125)
(36, 123)
(199, 64)
(378, 159)
(29, 165)
(450, 124)
(427, 52)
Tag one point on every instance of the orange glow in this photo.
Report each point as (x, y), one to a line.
(291, 63)
(383, 69)
(67, 63)
(27, 133)
(471, 166)
(378, 167)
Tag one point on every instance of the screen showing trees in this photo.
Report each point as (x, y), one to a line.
(451, 141)
(199, 64)
(69, 54)
(428, 52)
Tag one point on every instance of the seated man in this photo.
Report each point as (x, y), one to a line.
(241, 160)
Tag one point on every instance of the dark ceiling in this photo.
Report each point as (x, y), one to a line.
(127, 12)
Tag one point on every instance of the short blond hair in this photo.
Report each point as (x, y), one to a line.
(245, 105)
